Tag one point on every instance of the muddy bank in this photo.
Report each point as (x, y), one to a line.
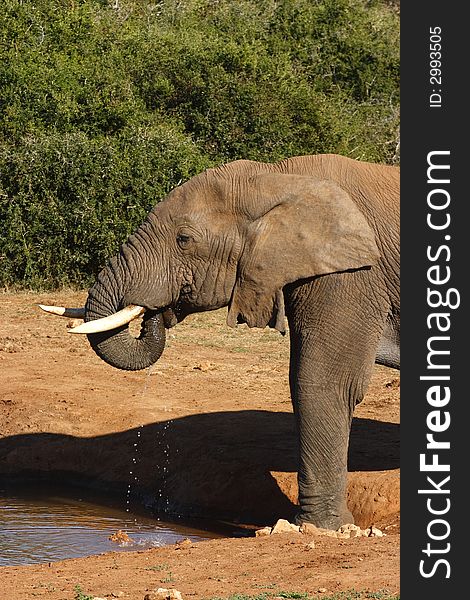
(237, 465)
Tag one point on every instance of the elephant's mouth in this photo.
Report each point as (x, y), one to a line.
(170, 317)
(171, 314)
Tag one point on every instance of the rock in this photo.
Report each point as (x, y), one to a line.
(322, 590)
(342, 535)
(310, 529)
(263, 532)
(351, 529)
(121, 537)
(204, 367)
(374, 532)
(71, 323)
(164, 594)
(186, 543)
(283, 526)
(311, 545)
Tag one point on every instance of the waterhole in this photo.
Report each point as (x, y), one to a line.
(41, 525)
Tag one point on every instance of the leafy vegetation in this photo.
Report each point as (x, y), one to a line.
(105, 105)
(80, 595)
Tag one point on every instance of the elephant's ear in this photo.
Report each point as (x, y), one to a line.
(304, 227)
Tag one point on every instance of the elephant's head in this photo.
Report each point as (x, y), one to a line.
(232, 236)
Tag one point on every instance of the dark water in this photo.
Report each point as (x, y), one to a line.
(38, 526)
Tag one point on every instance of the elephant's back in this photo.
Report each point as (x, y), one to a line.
(347, 172)
(375, 189)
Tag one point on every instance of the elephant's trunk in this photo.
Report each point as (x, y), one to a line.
(118, 347)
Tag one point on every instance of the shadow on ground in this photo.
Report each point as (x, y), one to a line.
(235, 465)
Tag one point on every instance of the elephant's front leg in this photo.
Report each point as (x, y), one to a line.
(334, 333)
(323, 424)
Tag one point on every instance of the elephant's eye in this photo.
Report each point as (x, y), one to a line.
(184, 240)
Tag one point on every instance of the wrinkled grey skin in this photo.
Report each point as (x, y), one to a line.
(314, 239)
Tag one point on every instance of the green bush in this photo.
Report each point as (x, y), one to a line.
(106, 105)
(67, 201)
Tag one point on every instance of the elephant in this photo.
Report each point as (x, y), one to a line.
(311, 240)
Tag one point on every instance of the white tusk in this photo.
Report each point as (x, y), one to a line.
(122, 317)
(72, 313)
